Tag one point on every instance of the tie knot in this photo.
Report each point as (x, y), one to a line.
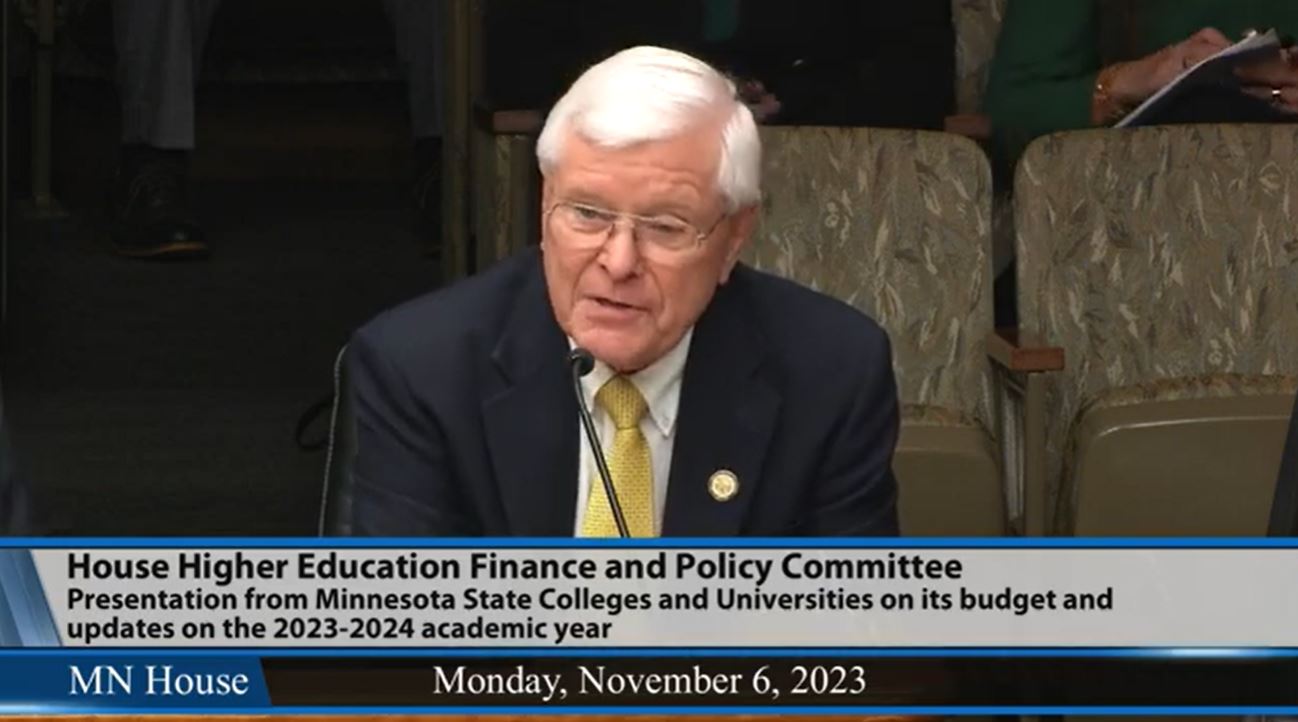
(622, 401)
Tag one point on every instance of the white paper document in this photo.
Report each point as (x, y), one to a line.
(1209, 70)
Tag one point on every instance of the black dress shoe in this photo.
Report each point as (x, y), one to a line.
(151, 217)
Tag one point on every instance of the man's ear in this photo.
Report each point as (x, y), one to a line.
(546, 194)
(739, 229)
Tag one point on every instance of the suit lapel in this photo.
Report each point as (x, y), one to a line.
(727, 414)
(531, 421)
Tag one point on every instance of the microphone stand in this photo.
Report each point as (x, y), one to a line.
(582, 363)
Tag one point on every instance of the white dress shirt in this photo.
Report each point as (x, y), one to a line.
(660, 385)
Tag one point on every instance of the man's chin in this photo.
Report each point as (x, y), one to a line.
(619, 355)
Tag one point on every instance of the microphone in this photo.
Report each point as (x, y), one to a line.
(582, 363)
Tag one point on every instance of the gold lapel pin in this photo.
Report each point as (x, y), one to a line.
(723, 485)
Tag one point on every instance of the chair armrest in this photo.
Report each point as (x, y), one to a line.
(1022, 361)
(1020, 352)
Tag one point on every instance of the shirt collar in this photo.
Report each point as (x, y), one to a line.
(659, 383)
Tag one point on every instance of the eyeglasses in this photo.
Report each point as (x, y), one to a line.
(590, 227)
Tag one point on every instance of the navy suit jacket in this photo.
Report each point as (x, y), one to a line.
(1284, 507)
(467, 424)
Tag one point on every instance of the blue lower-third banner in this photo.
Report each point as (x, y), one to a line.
(1018, 680)
(34, 681)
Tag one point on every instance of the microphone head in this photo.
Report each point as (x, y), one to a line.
(581, 360)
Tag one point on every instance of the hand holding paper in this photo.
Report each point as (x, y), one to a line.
(1216, 71)
(1273, 78)
(1142, 78)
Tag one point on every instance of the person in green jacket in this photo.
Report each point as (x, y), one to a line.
(1068, 64)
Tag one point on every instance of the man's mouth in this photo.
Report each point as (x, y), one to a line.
(612, 304)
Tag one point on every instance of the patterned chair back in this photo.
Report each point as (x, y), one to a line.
(1164, 261)
(896, 223)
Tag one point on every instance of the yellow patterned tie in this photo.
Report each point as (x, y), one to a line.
(629, 464)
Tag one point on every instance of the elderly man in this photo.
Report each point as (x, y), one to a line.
(728, 402)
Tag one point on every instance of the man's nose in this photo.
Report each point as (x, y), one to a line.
(621, 254)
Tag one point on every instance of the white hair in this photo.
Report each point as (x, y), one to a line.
(645, 94)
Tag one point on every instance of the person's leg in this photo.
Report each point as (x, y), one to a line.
(159, 47)
(420, 42)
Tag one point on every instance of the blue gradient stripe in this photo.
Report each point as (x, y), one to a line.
(652, 652)
(656, 543)
(25, 617)
(37, 708)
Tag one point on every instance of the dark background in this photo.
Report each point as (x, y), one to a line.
(162, 399)
(983, 681)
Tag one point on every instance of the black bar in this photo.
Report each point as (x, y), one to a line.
(997, 681)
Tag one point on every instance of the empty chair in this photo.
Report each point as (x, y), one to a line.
(1163, 261)
(897, 223)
